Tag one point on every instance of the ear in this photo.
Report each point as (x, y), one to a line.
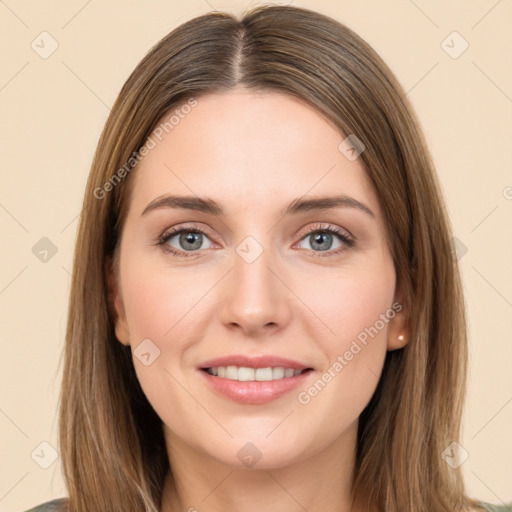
(116, 303)
(398, 327)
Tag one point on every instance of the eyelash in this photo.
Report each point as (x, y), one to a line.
(348, 242)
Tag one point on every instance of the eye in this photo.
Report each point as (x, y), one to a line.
(187, 240)
(321, 240)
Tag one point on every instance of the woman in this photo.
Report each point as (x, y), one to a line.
(308, 351)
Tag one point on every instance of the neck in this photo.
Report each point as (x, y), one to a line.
(322, 481)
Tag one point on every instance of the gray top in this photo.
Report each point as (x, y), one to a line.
(59, 505)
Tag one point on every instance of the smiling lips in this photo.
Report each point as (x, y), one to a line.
(253, 380)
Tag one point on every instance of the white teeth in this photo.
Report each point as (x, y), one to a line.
(246, 374)
(277, 373)
(231, 372)
(263, 374)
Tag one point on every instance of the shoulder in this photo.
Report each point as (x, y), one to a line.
(58, 505)
(481, 505)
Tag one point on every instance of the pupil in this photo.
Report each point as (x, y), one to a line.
(191, 238)
(320, 239)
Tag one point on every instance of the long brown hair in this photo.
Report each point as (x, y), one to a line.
(112, 444)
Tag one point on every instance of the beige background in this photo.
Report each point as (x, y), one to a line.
(53, 109)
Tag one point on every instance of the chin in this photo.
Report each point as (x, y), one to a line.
(262, 452)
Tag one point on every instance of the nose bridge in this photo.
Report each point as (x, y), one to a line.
(255, 297)
(254, 284)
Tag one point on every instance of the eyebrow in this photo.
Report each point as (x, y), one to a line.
(207, 205)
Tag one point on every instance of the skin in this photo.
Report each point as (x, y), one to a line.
(241, 148)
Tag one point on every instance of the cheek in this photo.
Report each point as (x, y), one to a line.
(159, 304)
(349, 302)
(355, 309)
(164, 308)
(170, 309)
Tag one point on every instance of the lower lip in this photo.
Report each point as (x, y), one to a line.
(254, 392)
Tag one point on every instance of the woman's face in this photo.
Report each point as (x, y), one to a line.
(265, 286)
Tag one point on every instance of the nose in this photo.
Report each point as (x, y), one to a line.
(255, 299)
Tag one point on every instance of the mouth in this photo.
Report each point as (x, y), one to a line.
(254, 380)
(249, 374)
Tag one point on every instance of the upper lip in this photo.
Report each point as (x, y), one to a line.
(263, 361)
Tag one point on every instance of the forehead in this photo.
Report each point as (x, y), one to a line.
(244, 147)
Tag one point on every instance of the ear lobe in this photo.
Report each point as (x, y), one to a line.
(115, 302)
(398, 341)
(398, 330)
